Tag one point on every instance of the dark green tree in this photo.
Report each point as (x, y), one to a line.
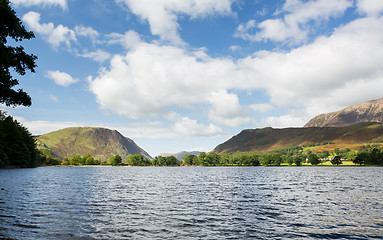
(273, 159)
(137, 160)
(17, 145)
(12, 57)
(336, 160)
(75, 160)
(201, 158)
(89, 160)
(115, 160)
(190, 159)
(211, 159)
(290, 160)
(313, 159)
(298, 159)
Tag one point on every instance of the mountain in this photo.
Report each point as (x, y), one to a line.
(266, 139)
(101, 143)
(371, 111)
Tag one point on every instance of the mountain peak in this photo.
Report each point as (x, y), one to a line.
(101, 143)
(371, 111)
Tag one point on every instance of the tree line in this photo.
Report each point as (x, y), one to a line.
(366, 155)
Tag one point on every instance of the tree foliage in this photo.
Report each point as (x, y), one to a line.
(13, 57)
(336, 160)
(369, 155)
(115, 160)
(313, 159)
(17, 145)
(137, 160)
(273, 159)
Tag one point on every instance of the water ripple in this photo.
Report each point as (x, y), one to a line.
(191, 203)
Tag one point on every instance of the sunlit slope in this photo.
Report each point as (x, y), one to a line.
(101, 143)
(371, 111)
(267, 139)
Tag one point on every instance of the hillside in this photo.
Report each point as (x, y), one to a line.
(101, 143)
(371, 111)
(266, 139)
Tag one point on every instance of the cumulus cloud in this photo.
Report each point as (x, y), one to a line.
(226, 109)
(98, 55)
(62, 3)
(282, 121)
(54, 35)
(189, 127)
(43, 127)
(294, 26)
(86, 32)
(61, 78)
(162, 16)
(152, 79)
(128, 40)
(261, 107)
(370, 7)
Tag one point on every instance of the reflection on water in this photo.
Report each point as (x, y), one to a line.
(192, 203)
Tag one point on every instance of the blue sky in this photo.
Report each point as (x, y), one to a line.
(187, 75)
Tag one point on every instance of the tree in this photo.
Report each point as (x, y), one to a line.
(76, 160)
(290, 160)
(211, 159)
(137, 160)
(13, 57)
(190, 159)
(201, 158)
(298, 159)
(313, 159)
(274, 159)
(17, 145)
(336, 160)
(89, 160)
(115, 160)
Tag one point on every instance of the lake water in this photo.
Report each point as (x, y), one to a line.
(192, 203)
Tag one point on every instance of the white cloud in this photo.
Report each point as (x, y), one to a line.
(128, 40)
(54, 98)
(62, 3)
(226, 109)
(262, 107)
(283, 121)
(234, 48)
(153, 80)
(331, 73)
(43, 127)
(294, 27)
(54, 35)
(189, 127)
(162, 16)
(98, 55)
(87, 32)
(61, 78)
(370, 7)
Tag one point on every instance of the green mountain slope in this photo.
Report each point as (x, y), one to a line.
(267, 139)
(101, 143)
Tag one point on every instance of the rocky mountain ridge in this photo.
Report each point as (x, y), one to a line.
(371, 111)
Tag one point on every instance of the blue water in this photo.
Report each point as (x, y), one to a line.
(192, 203)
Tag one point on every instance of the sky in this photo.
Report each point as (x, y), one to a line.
(188, 75)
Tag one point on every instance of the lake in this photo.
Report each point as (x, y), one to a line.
(191, 203)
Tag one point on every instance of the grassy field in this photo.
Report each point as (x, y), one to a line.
(327, 163)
